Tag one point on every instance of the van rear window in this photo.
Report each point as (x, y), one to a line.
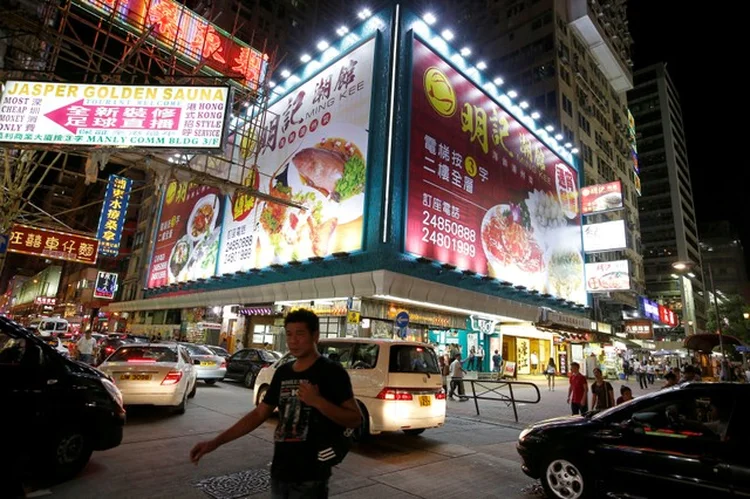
(413, 359)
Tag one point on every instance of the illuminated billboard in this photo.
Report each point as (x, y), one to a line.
(601, 198)
(607, 276)
(605, 236)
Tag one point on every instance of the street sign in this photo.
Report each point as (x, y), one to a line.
(353, 317)
(402, 320)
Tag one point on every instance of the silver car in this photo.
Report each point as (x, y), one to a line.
(212, 367)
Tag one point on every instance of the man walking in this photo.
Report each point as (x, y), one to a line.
(497, 361)
(316, 403)
(480, 358)
(457, 379)
(85, 347)
(578, 390)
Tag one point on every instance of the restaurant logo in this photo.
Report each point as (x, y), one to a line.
(440, 93)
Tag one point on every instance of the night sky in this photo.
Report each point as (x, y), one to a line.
(704, 56)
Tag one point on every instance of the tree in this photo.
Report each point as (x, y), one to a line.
(733, 322)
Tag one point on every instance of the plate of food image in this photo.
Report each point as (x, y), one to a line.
(203, 218)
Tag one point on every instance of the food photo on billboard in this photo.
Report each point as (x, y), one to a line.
(312, 153)
(608, 276)
(601, 198)
(187, 234)
(484, 193)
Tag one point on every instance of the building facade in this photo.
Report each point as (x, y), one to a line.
(722, 250)
(667, 213)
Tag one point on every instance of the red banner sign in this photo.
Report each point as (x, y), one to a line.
(600, 198)
(484, 193)
(52, 244)
(667, 316)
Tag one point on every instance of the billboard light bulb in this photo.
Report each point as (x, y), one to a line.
(524, 105)
(285, 73)
(447, 34)
(466, 51)
(364, 14)
(558, 136)
(305, 58)
(568, 145)
(481, 65)
(512, 94)
(322, 45)
(535, 115)
(430, 18)
(549, 128)
(342, 31)
(574, 150)
(498, 81)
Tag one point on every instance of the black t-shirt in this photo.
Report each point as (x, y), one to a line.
(602, 395)
(302, 430)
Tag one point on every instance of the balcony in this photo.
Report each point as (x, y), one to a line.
(585, 20)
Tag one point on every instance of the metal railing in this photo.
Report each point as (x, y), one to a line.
(496, 385)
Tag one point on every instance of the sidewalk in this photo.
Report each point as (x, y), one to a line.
(551, 404)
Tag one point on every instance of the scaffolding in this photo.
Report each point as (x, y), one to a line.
(97, 42)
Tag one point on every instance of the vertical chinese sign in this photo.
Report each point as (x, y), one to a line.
(112, 217)
(52, 244)
(313, 152)
(141, 116)
(187, 237)
(484, 193)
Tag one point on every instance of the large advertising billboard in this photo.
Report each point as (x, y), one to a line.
(106, 285)
(484, 194)
(607, 276)
(313, 153)
(601, 198)
(604, 236)
(52, 244)
(83, 114)
(187, 237)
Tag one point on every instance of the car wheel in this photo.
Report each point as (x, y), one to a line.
(180, 408)
(210, 381)
(195, 389)
(261, 395)
(249, 380)
(414, 431)
(71, 452)
(362, 432)
(565, 479)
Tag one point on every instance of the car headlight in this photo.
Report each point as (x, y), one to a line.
(113, 391)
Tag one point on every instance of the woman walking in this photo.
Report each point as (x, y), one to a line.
(551, 372)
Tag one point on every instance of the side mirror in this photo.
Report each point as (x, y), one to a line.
(196, 362)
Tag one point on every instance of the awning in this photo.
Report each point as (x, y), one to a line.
(706, 342)
(255, 311)
(380, 283)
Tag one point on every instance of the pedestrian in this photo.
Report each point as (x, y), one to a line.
(626, 368)
(223, 343)
(591, 364)
(457, 379)
(472, 359)
(650, 372)
(626, 394)
(602, 393)
(316, 403)
(534, 363)
(676, 372)
(670, 378)
(551, 372)
(688, 374)
(239, 346)
(497, 361)
(480, 358)
(86, 347)
(444, 372)
(578, 390)
(640, 374)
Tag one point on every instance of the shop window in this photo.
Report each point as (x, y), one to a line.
(330, 327)
(262, 335)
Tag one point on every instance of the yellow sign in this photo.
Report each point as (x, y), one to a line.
(353, 317)
(439, 92)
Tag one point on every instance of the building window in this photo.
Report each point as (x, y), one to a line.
(569, 135)
(584, 124)
(262, 335)
(567, 105)
(330, 327)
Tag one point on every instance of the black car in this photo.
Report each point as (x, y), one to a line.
(245, 364)
(55, 411)
(222, 352)
(691, 440)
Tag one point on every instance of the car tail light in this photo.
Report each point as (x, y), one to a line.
(440, 395)
(135, 360)
(223, 365)
(394, 394)
(172, 378)
(108, 349)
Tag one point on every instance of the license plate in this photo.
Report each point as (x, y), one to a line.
(425, 401)
(207, 364)
(135, 377)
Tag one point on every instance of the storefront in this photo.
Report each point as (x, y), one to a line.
(530, 348)
(424, 325)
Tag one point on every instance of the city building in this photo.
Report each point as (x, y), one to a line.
(722, 250)
(671, 251)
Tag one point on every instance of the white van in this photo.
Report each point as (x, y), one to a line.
(396, 383)
(47, 326)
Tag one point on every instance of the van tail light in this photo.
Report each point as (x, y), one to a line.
(172, 378)
(223, 365)
(440, 395)
(394, 394)
(108, 349)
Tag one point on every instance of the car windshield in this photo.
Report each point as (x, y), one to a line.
(143, 354)
(47, 326)
(413, 359)
(197, 350)
(218, 350)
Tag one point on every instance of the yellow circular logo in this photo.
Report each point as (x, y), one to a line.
(439, 92)
(171, 191)
(470, 165)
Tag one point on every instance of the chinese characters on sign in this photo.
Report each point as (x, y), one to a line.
(52, 244)
(106, 285)
(180, 30)
(650, 309)
(667, 316)
(639, 329)
(484, 193)
(112, 217)
(604, 236)
(600, 198)
(45, 300)
(607, 276)
(76, 114)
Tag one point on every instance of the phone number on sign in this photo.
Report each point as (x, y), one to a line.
(448, 234)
